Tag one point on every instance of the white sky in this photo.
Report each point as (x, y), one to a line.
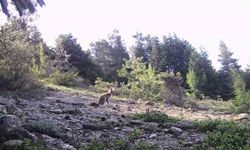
(201, 22)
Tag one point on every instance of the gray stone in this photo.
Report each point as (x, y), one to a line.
(3, 109)
(56, 111)
(176, 131)
(9, 123)
(153, 136)
(11, 108)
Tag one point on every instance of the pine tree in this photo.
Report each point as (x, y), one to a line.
(226, 89)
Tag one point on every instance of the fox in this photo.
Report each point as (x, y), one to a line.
(106, 96)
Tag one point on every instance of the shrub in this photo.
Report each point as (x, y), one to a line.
(224, 135)
(143, 81)
(62, 78)
(102, 86)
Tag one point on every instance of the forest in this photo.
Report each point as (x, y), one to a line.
(155, 72)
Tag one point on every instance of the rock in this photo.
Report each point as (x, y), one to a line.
(136, 122)
(9, 123)
(55, 144)
(176, 131)
(149, 103)
(95, 126)
(127, 129)
(3, 109)
(103, 119)
(184, 125)
(188, 144)
(150, 126)
(153, 136)
(241, 116)
(67, 147)
(166, 130)
(12, 144)
(72, 111)
(132, 102)
(117, 128)
(129, 108)
(11, 108)
(113, 122)
(67, 117)
(56, 111)
(94, 104)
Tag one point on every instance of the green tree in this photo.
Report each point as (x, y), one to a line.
(109, 55)
(157, 56)
(16, 54)
(71, 57)
(21, 6)
(192, 82)
(225, 84)
(143, 81)
(143, 47)
(247, 77)
(177, 54)
(205, 74)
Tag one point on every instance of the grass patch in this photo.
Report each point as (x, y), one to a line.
(157, 117)
(221, 106)
(223, 135)
(128, 143)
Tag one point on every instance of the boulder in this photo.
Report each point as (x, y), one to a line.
(2, 109)
(9, 123)
(176, 131)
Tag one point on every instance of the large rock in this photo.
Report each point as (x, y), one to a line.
(9, 123)
(11, 108)
(2, 109)
(176, 131)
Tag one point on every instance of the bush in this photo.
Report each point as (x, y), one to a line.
(224, 135)
(16, 53)
(143, 81)
(59, 78)
(102, 86)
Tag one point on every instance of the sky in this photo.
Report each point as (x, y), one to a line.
(201, 22)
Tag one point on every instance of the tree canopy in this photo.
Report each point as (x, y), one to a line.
(21, 6)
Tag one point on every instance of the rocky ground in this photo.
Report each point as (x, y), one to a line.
(65, 121)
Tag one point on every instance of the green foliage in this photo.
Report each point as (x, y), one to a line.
(225, 84)
(62, 78)
(71, 57)
(225, 135)
(127, 143)
(16, 53)
(143, 82)
(154, 117)
(241, 102)
(102, 86)
(109, 55)
(31, 145)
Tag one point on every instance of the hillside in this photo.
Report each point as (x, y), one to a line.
(63, 120)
